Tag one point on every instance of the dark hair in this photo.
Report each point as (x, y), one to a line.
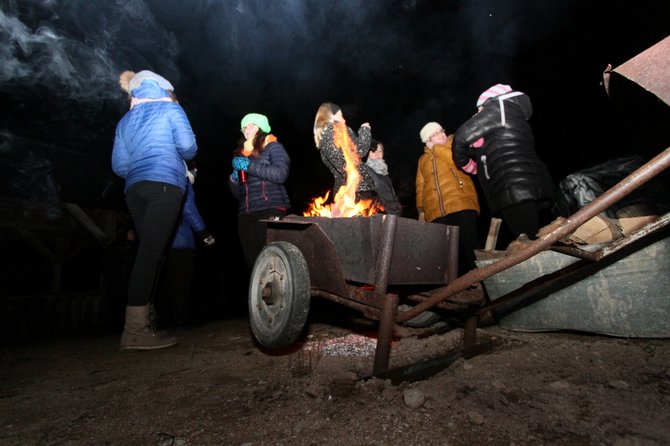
(373, 145)
(259, 144)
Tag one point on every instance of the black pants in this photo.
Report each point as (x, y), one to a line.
(522, 218)
(252, 233)
(173, 298)
(468, 238)
(154, 208)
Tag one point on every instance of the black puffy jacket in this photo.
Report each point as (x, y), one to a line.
(509, 170)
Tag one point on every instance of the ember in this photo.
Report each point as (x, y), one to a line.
(349, 345)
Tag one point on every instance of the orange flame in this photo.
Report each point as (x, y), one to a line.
(344, 204)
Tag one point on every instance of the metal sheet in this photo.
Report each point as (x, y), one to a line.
(420, 250)
(651, 70)
(625, 296)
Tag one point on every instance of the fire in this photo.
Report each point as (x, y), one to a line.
(344, 204)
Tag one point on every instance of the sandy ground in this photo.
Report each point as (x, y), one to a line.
(218, 387)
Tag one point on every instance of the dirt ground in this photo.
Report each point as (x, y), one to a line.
(217, 387)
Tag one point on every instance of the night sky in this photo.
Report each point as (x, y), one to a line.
(395, 64)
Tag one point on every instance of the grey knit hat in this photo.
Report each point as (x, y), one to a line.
(143, 75)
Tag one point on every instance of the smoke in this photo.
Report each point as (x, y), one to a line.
(394, 63)
(287, 56)
(59, 68)
(76, 49)
(26, 175)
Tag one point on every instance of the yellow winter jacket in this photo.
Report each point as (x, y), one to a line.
(441, 187)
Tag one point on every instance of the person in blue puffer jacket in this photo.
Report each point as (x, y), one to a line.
(260, 168)
(172, 301)
(151, 144)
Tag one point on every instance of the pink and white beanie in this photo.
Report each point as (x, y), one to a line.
(492, 92)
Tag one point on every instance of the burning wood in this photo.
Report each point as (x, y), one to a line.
(344, 204)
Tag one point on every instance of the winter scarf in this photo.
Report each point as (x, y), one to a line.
(379, 166)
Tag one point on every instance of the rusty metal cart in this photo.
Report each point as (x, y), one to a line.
(366, 262)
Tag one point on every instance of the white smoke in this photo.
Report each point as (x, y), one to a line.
(77, 49)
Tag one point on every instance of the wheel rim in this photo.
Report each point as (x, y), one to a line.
(270, 291)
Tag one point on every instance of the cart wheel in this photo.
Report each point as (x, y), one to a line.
(279, 295)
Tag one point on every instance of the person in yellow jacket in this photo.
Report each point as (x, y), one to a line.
(445, 194)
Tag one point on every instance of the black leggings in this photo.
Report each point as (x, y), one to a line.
(522, 218)
(172, 301)
(468, 238)
(154, 208)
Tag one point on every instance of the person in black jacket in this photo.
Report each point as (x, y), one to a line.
(380, 176)
(497, 144)
(340, 145)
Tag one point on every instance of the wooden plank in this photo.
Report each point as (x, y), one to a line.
(492, 237)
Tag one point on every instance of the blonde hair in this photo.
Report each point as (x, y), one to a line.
(324, 116)
(124, 80)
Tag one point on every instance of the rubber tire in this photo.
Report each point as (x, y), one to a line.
(281, 273)
(421, 320)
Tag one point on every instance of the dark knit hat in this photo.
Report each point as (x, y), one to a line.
(334, 108)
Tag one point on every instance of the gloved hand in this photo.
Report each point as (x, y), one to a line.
(240, 163)
(207, 238)
(209, 241)
(235, 176)
(477, 144)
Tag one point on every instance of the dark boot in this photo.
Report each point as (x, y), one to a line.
(138, 334)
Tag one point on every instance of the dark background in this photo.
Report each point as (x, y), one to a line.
(395, 64)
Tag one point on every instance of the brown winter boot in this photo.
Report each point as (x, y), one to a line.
(138, 334)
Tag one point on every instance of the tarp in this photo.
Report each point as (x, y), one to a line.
(582, 187)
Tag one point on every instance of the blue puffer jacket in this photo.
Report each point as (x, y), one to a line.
(153, 139)
(189, 222)
(266, 175)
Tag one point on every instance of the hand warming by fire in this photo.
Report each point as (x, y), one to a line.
(344, 204)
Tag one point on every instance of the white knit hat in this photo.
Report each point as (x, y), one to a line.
(492, 92)
(429, 130)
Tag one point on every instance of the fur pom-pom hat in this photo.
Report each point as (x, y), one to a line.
(129, 80)
(124, 80)
(492, 92)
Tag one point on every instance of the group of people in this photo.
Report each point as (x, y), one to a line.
(498, 147)
(154, 142)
